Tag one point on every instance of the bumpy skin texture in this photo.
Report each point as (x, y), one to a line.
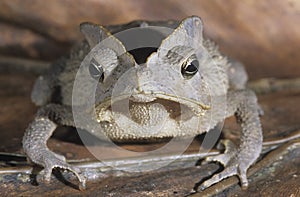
(186, 74)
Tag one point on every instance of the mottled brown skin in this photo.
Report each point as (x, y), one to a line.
(53, 93)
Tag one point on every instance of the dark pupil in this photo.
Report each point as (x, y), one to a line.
(96, 71)
(190, 68)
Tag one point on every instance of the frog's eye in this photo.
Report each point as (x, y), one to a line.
(96, 70)
(189, 68)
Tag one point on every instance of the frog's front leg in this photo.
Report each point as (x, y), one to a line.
(37, 134)
(243, 104)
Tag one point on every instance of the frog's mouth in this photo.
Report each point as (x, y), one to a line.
(197, 107)
(141, 105)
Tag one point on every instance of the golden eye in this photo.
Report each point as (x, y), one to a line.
(96, 70)
(189, 68)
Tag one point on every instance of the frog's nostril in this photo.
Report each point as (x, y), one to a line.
(138, 90)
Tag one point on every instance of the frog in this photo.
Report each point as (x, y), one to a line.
(186, 71)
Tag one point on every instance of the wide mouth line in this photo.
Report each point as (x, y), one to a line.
(197, 107)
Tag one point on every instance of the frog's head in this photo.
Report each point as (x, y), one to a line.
(179, 76)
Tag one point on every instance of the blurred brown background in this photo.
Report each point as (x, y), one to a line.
(265, 35)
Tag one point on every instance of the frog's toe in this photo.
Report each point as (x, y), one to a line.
(242, 173)
(45, 175)
(222, 158)
(230, 151)
(53, 160)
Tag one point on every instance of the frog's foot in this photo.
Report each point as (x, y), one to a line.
(232, 164)
(52, 160)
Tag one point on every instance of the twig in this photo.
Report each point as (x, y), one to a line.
(294, 135)
(128, 164)
(268, 85)
(21, 65)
